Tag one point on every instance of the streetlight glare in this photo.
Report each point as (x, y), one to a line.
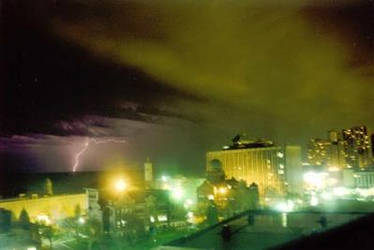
(120, 185)
(81, 220)
(314, 179)
(178, 193)
(222, 190)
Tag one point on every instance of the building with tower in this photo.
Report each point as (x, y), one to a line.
(148, 174)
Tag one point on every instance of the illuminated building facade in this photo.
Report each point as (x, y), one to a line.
(257, 162)
(349, 149)
(336, 152)
(50, 209)
(47, 209)
(319, 152)
(357, 143)
(364, 179)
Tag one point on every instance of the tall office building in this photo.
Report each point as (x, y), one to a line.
(351, 148)
(328, 152)
(294, 169)
(318, 152)
(336, 150)
(357, 144)
(259, 162)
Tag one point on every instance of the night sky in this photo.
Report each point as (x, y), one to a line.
(172, 79)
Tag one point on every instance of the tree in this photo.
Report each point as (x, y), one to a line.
(216, 173)
(24, 219)
(93, 229)
(150, 203)
(124, 212)
(5, 220)
(254, 196)
(77, 211)
(48, 232)
(107, 213)
(77, 217)
(212, 214)
(48, 187)
(242, 196)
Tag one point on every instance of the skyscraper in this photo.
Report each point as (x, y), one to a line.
(318, 152)
(351, 148)
(357, 144)
(336, 151)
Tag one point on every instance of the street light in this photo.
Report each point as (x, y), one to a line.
(81, 220)
(164, 178)
(178, 193)
(120, 185)
(222, 190)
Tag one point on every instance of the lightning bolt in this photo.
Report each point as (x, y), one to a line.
(86, 145)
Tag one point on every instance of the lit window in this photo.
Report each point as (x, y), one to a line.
(152, 219)
(162, 218)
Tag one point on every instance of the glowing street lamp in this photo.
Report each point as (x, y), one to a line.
(81, 220)
(315, 180)
(177, 193)
(120, 185)
(164, 178)
(188, 203)
(286, 206)
(222, 190)
(314, 201)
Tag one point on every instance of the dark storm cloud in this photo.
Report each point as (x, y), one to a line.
(106, 52)
(51, 86)
(82, 69)
(352, 23)
(264, 61)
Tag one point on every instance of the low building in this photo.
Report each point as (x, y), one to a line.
(364, 178)
(50, 209)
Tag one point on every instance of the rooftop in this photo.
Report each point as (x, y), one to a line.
(240, 142)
